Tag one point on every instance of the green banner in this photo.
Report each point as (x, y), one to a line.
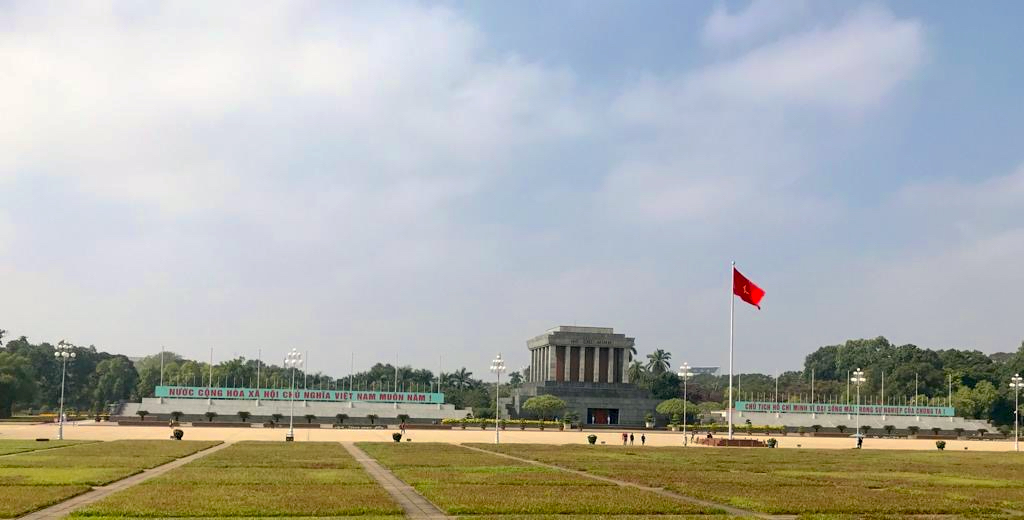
(851, 409)
(277, 394)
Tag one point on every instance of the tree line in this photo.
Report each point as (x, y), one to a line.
(30, 378)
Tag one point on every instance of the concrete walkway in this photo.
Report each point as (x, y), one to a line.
(66, 507)
(735, 511)
(413, 503)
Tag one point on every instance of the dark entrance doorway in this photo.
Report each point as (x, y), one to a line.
(602, 416)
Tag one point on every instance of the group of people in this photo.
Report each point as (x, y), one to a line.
(628, 437)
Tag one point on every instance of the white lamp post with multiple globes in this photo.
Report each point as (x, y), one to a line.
(63, 352)
(857, 379)
(684, 373)
(1016, 382)
(293, 360)
(497, 366)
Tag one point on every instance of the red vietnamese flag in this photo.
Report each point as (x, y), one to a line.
(746, 289)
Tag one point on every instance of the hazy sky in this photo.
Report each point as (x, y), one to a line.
(415, 180)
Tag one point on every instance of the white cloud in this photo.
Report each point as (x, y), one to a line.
(759, 19)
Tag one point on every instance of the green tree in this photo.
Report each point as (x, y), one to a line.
(544, 406)
(16, 382)
(658, 362)
(636, 372)
(116, 379)
(665, 386)
(515, 379)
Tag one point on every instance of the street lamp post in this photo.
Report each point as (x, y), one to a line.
(857, 379)
(292, 360)
(685, 373)
(64, 352)
(497, 366)
(1016, 382)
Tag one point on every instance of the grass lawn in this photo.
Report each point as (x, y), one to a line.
(256, 479)
(8, 446)
(790, 481)
(33, 480)
(465, 482)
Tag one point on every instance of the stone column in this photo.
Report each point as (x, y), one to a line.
(552, 362)
(533, 365)
(597, 363)
(567, 362)
(625, 366)
(611, 365)
(583, 362)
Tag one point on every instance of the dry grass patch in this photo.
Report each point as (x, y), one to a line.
(254, 454)
(193, 474)
(19, 500)
(463, 481)
(806, 481)
(8, 446)
(191, 500)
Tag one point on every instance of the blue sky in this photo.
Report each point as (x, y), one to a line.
(446, 179)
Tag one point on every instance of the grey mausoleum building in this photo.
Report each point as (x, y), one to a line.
(587, 367)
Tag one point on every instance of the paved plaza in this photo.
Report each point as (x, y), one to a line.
(89, 430)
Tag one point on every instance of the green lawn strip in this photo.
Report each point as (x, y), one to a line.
(255, 454)
(18, 500)
(463, 481)
(59, 476)
(805, 481)
(345, 517)
(281, 479)
(194, 474)
(590, 517)
(9, 446)
(245, 500)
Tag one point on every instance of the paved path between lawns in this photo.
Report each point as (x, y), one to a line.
(414, 504)
(66, 507)
(735, 511)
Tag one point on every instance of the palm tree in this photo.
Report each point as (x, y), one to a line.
(632, 353)
(515, 378)
(462, 378)
(658, 362)
(636, 372)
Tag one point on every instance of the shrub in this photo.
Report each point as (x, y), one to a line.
(176, 416)
(816, 428)
(1005, 430)
(210, 416)
(649, 417)
(841, 428)
(178, 434)
(772, 443)
(243, 415)
(372, 417)
(592, 439)
(801, 430)
(941, 445)
(341, 418)
(142, 414)
(277, 417)
(397, 436)
(982, 432)
(959, 432)
(544, 406)
(675, 419)
(889, 428)
(913, 429)
(309, 418)
(403, 417)
(936, 430)
(864, 429)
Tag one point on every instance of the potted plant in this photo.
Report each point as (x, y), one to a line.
(864, 429)
(309, 418)
(772, 442)
(936, 430)
(649, 420)
(210, 416)
(176, 416)
(801, 430)
(888, 429)
(816, 428)
(243, 415)
(982, 432)
(522, 424)
(841, 428)
(912, 430)
(959, 432)
(502, 423)
(397, 436)
(276, 417)
(142, 414)
(592, 439)
(674, 423)
(341, 418)
(372, 417)
(941, 445)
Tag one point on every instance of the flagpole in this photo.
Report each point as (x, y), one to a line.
(732, 319)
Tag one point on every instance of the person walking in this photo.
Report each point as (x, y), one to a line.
(631, 439)
(625, 438)
(643, 439)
